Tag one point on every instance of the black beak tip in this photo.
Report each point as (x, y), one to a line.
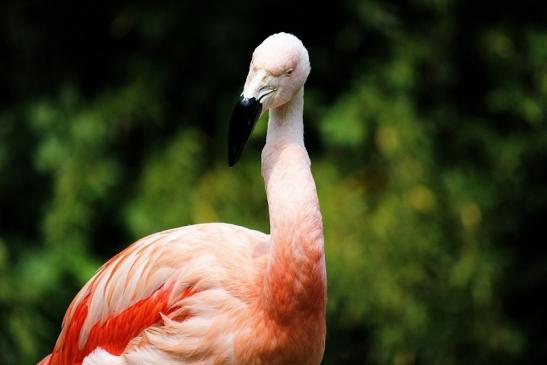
(232, 160)
(235, 145)
(244, 117)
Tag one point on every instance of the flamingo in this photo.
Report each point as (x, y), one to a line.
(218, 293)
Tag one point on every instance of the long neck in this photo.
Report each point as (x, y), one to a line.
(295, 280)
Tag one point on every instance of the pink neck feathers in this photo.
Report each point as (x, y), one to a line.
(295, 280)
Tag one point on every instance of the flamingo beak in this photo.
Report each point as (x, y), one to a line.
(244, 117)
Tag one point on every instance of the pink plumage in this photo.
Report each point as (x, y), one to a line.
(218, 293)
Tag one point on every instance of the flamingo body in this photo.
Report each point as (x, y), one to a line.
(218, 293)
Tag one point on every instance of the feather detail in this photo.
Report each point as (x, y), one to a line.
(114, 334)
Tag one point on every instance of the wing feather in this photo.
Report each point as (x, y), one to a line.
(127, 295)
(130, 297)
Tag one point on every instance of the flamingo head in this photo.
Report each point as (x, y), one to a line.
(278, 70)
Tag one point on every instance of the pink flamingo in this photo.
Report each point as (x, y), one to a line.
(218, 293)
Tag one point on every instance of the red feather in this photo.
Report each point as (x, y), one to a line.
(114, 334)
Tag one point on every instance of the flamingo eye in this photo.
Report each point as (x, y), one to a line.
(289, 71)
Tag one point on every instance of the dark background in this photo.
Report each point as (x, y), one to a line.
(426, 125)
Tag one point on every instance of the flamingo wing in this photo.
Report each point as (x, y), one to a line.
(127, 295)
(164, 278)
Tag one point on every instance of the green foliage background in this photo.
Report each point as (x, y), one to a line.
(426, 124)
